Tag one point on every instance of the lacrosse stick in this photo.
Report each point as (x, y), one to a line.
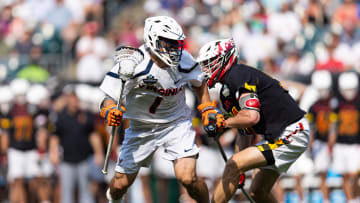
(128, 58)
(212, 130)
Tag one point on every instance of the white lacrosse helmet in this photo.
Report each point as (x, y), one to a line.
(6, 95)
(322, 82)
(165, 38)
(321, 79)
(216, 58)
(19, 86)
(6, 98)
(348, 85)
(83, 92)
(37, 93)
(348, 80)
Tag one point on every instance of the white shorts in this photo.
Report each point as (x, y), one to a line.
(345, 158)
(289, 146)
(210, 164)
(27, 164)
(303, 165)
(321, 156)
(139, 145)
(162, 167)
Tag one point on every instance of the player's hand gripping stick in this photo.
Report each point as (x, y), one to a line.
(128, 58)
(211, 129)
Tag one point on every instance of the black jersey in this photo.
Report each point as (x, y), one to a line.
(22, 133)
(278, 109)
(348, 113)
(321, 115)
(74, 130)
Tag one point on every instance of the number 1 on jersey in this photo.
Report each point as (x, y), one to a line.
(155, 104)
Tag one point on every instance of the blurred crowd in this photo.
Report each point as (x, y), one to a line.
(54, 54)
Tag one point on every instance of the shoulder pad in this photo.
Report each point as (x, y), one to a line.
(187, 63)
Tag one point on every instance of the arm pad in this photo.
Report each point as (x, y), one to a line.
(250, 102)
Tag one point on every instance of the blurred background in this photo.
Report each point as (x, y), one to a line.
(55, 53)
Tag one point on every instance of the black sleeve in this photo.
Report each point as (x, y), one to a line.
(90, 124)
(58, 125)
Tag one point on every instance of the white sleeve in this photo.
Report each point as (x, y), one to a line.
(198, 78)
(192, 69)
(111, 85)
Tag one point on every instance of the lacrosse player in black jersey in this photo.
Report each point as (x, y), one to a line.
(256, 103)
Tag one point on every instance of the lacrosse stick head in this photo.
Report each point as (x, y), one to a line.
(128, 58)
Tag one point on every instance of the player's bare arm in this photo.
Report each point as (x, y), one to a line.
(107, 101)
(246, 117)
(202, 93)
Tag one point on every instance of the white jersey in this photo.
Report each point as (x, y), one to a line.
(155, 95)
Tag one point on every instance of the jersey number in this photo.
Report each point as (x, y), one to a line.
(155, 104)
(322, 122)
(348, 122)
(23, 128)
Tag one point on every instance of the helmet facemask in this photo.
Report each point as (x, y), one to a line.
(216, 67)
(170, 50)
(349, 94)
(211, 67)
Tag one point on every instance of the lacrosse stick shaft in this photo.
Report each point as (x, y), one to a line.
(128, 58)
(113, 132)
(221, 149)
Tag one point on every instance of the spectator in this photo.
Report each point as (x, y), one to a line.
(284, 19)
(5, 20)
(75, 133)
(346, 12)
(331, 63)
(33, 72)
(91, 51)
(315, 14)
(24, 44)
(60, 16)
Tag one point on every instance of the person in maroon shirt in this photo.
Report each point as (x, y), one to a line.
(347, 143)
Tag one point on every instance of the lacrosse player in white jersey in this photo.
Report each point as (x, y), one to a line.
(155, 105)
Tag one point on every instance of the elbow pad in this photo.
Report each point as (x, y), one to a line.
(250, 102)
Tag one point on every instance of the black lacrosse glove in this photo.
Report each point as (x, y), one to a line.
(215, 124)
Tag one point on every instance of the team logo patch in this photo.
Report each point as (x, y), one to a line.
(150, 79)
